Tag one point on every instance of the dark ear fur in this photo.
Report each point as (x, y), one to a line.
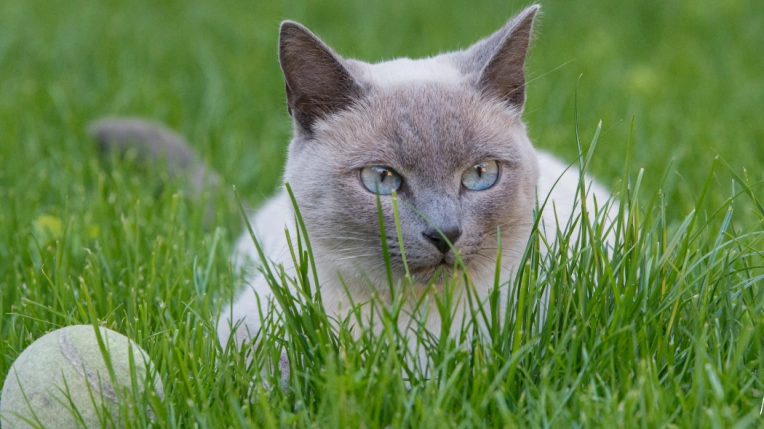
(317, 81)
(502, 57)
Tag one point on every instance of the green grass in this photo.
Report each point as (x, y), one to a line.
(668, 330)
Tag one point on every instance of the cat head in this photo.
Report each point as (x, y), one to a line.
(444, 132)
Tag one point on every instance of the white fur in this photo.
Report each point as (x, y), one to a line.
(405, 70)
(562, 194)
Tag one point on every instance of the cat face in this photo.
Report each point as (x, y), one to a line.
(445, 133)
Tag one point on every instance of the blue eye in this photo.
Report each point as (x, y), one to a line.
(481, 175)
(382, 180)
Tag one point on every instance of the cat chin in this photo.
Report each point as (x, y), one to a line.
(437, 270)
(438, 274)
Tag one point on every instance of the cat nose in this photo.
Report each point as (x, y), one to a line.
(432, 235)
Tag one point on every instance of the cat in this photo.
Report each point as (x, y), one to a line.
(444, 133)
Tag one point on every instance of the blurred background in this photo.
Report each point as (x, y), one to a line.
(688, 73)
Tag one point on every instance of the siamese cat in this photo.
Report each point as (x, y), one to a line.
(443, 135)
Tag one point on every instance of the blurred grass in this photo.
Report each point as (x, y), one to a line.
(689, 73)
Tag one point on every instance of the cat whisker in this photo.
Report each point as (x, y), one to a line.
(342, 238)
(352, 257)
(344, 234)
(490, 262)
(504, 250)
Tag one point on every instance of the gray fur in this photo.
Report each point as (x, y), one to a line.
(153, 142)
(430, 133)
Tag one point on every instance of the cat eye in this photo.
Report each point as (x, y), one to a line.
(381, 180)
(481, 175)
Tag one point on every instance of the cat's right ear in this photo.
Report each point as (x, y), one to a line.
(317, 82)
(500, 59)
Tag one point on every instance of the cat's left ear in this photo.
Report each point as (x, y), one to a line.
(502, 58)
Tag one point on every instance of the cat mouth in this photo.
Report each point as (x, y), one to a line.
(441, 269)
(447, 262)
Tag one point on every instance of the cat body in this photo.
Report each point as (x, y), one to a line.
(426, 125)
(444, 133)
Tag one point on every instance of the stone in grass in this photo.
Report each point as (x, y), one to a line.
(62, 381)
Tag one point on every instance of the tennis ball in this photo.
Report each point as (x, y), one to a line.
(62, 380)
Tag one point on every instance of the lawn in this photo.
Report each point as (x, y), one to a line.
(665, 331)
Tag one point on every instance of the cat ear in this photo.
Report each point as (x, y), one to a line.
(502, 58)
(317, 81)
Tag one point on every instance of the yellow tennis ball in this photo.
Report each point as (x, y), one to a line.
(62, 380)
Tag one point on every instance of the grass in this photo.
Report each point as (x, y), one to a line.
(665, 331)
